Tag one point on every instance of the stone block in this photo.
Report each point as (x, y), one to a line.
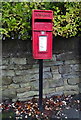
(22, 90)
(58, 63)
(48, 91)
(47, 75)
(9, 93)
(13, 86)
(54, 69)
(21, 79)
(18, 61)
(35, 66)
(71, 75)
(27, 94)
(19, 67)
(71, 88)
(21, 72)
(54, 58)
(79, 87)
(34, 85)
(64, 69)
(3, 67)
(69, 62)
(65, 56)
(4, 87)
(73, 81)
(34, 76)
(56, 76)
(56, 83)
(53, 63)
(48, 64)
(8, 73)
(71, 92)
(22, 85)
(5, 61)
(60, 89)
(6, 80)
(65, 82)
(76, 67)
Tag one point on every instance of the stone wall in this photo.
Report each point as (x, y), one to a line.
(20, 74)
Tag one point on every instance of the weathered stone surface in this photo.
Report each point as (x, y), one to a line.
(34, 85)
(9, 93)
(57, 63)
(69, 62)
(60, 74)
(22, 90)
(71, 92)
(21, 72)
(60, 89)
(56, 76)
(71, 88)
(6, 80)
(21, 79)
(65, 81)
(3, 67)
(5, 61)
(4, 87)
(64, 69)
(48, 91)
(19, 67)
(34, 76)
(54, 58)
(71, 75)
(73, 81)
(8, 73)
(65, 56)
(46, 84)
(0, 80)
(31, 71)
(56, 83)
(53, 63)
(47, 75)
(22, 85)
(76, 67)
(13, 86)
(35, 66)
(54, 69)
(18, 61)
(27, 94)
(79, 87)
(46, 69)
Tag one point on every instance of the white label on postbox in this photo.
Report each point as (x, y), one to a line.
(42, 43)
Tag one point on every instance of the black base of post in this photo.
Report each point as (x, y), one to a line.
(40, 84)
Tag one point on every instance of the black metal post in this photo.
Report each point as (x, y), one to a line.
(40, 84)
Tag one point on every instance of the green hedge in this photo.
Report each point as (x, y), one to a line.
(16, 18)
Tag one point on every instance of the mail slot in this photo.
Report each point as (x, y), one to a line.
(42, 34)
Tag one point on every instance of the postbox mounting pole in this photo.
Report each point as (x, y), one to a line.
(40, 83)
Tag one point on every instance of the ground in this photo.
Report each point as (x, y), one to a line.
(54, 108)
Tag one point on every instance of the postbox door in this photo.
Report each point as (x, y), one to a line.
(42, 45)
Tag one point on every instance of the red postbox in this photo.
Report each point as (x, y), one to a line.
(42, 34)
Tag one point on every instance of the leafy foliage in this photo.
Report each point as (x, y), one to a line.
(16, 18)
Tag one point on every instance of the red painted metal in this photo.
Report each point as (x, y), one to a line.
(42, 34)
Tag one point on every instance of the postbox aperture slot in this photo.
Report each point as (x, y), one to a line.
(43, 20)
